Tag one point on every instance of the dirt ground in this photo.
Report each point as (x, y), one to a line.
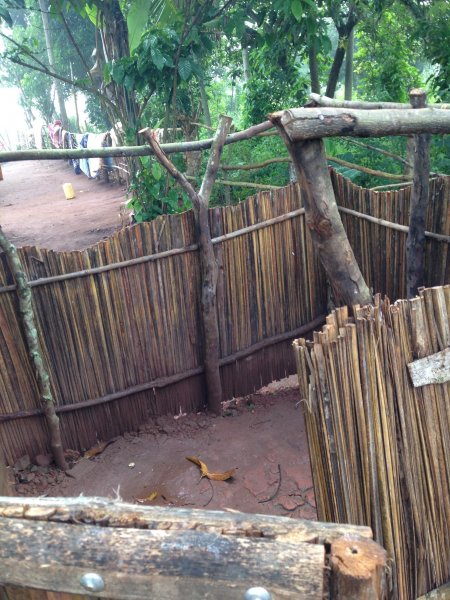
(261, 436)
(34, 211)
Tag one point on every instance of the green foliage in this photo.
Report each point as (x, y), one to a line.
(386, 56)
(276, 81)
(151, 194)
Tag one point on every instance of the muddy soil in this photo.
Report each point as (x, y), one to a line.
(34, 211)
(261, 436)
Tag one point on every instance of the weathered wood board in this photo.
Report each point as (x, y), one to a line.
(431, 369)
(48, 544)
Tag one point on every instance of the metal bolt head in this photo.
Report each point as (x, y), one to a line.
(92, 582)
(257, 593)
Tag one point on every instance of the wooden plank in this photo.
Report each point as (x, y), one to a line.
(124, 515)
(431, 369)
(170, 565)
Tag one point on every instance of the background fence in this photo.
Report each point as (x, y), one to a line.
(120, 325)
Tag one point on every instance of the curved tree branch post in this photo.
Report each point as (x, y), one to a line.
(209, 266)
(415, 242)
(32, 341)
(322, 215)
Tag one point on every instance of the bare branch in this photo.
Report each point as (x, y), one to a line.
(171, 168)
(214, 158)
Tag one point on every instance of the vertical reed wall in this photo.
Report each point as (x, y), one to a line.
(131, 337)
(379, 447)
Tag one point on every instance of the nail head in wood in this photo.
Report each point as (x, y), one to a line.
(257, 593)
(92, 582)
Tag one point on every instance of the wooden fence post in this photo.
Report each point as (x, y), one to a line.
(32, 342)
(322, 215)
(358, 570)
(209, 267)
(415, 243)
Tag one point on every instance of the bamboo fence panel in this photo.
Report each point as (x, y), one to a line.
(125, 327)
(379, 447)
(380, 251)
(107, 332)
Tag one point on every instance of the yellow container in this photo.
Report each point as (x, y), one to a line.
(68, 191)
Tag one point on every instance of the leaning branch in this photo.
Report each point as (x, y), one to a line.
(31, 339)
(171, 168)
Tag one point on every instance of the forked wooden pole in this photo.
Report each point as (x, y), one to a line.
(209, 267)
(323, 219)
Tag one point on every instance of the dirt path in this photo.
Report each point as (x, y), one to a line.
(34, 211)
(263, 437)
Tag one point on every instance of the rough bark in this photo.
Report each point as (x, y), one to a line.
(32, 341)
(43, 6)
(313, 69)
(209, 267)
(311, 123)
(349, 66)
(415, 243)
(322, 216)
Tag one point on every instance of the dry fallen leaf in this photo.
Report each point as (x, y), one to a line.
(97, 449)
(205, 473)
(149, 498)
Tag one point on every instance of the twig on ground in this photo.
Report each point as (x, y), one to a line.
(274, 495)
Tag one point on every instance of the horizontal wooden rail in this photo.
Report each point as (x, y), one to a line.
(333, 103)
(171, 379)
(157, 256)
(403, 228)
(121, 151)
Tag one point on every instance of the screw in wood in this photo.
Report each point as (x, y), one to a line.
(257, 593)
(92, 582)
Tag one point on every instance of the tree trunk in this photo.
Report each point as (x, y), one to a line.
(51, 61)
(204, 101)
(415, 243)
(313, 69)
(246, 63)
(408, 171)
(322, 216)
(335, 68)
(31, 338)
(349, 66)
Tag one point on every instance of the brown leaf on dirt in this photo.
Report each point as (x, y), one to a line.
(149, 498)
(205, 473)
(221, 476)
(97, 449)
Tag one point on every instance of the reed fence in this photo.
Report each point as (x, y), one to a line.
(119, 323)
(120, 326)
(379, 447)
